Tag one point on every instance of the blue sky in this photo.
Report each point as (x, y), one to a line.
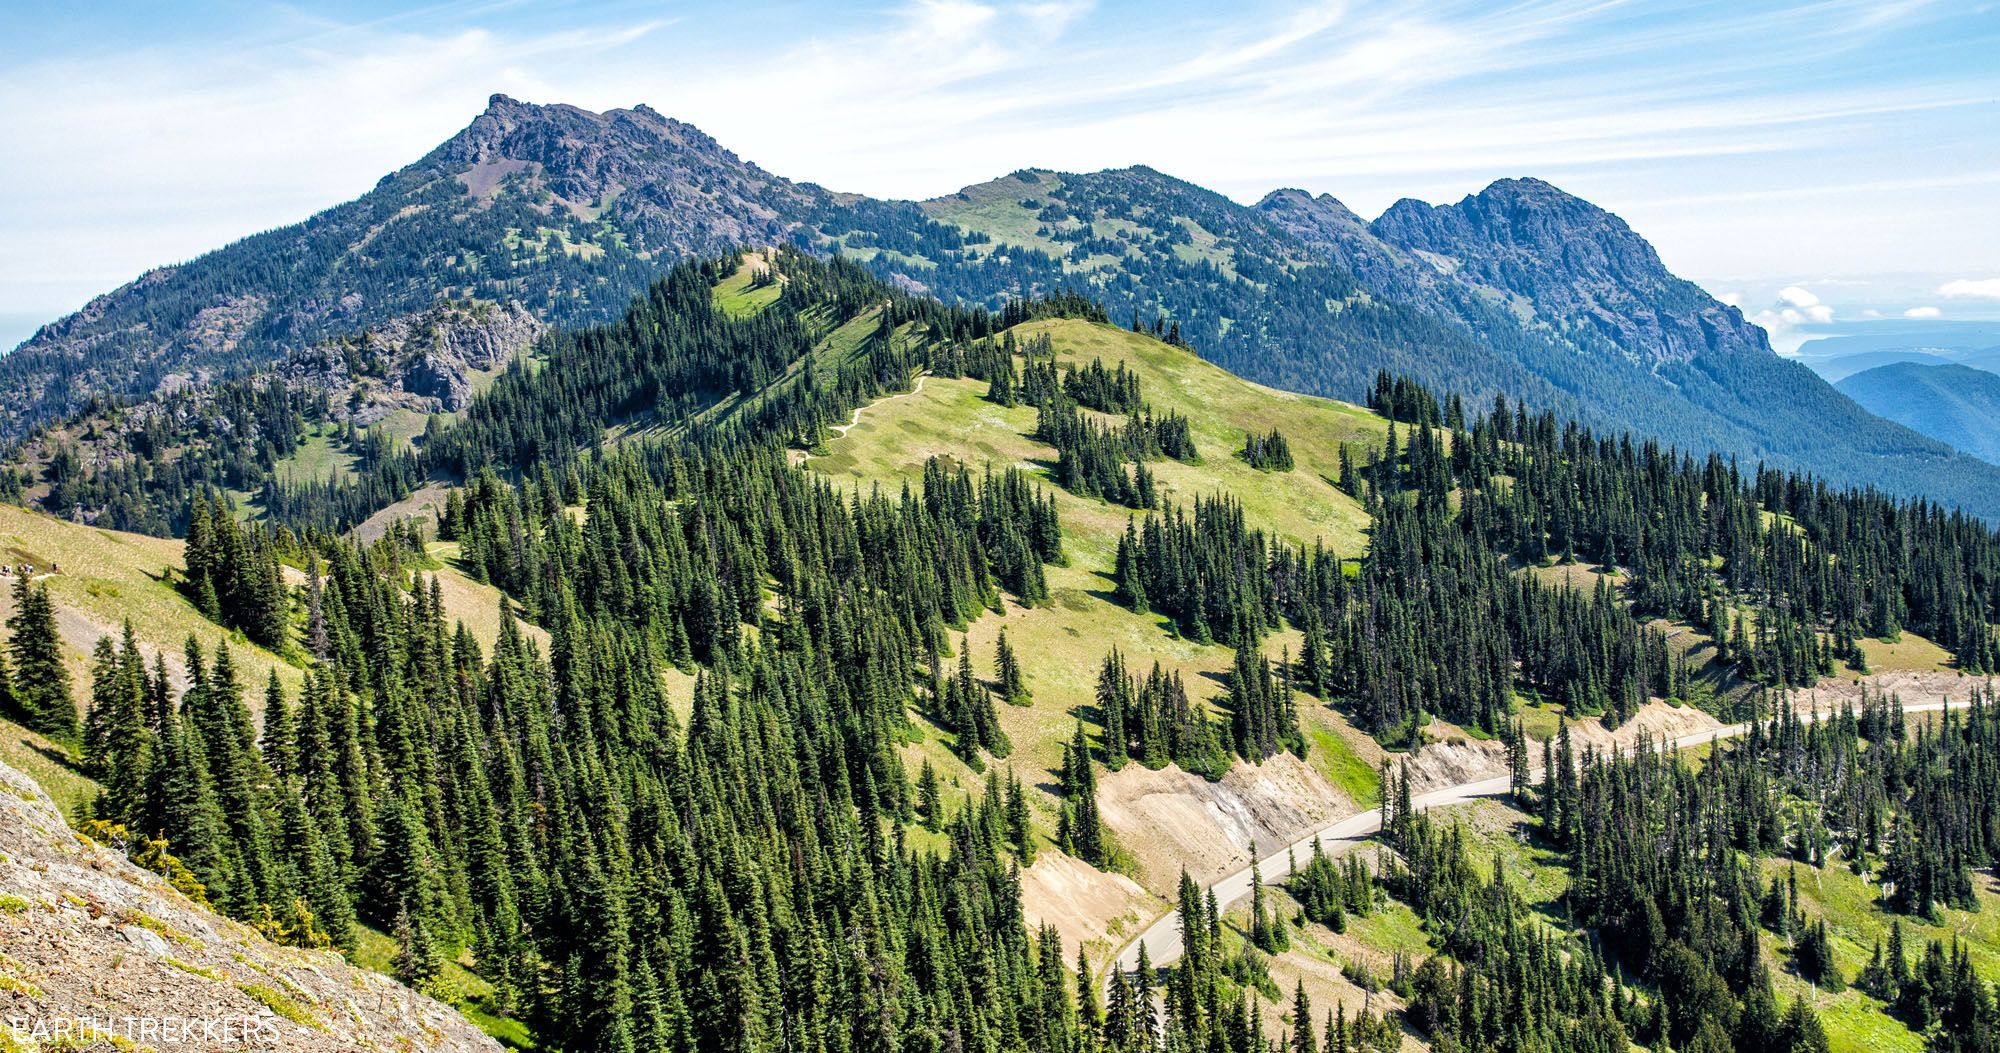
(1820, 164)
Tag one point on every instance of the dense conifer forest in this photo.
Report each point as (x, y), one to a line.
(1439, 622)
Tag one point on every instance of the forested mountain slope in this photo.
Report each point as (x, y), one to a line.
(886, 653)
(1520, 290)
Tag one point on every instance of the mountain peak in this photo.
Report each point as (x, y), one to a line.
(1518, 197)
(524, 131)
(593, 160)
(603, 196)
(1527, 187)
(1292, 200)
(1583, 270)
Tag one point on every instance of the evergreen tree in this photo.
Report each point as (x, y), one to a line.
(1080, 830)
(98, 718)
(1814, 955)
(1012, 685)
(280, 739)
(930, 798)
(1267, 931)
(40, 689)
(1304, 1040)
(317, 880)
(1020, 821)
(418, 963)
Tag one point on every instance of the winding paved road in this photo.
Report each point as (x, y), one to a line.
(1162, 938)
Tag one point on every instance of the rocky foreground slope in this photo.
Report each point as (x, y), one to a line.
(90, 941)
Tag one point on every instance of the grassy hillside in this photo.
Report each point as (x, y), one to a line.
(1855, 919)
(740, 295)
(951, 417)
(104, 577)
(321, 456)
(1064, 642)
(1495, 830)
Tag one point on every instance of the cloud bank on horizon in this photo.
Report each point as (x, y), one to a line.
(1837, 152)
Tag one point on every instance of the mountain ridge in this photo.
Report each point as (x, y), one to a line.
(1521, 290)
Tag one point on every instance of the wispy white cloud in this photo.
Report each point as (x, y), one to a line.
(1974, 289)
(1790, 314)
(1925, 312)
(1797, 296)
(1797, 306)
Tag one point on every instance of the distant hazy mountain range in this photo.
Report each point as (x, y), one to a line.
(1955, 404)
(1520, 290)
(1975, 344)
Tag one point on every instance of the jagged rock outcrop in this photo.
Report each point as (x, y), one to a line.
(89, 939)
(458, 342)
(423, 362)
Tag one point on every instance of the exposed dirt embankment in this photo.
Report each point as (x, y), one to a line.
(1913, 687)
(1169, 818)
(1451, 760)
(1456, 757)
(1087, 905)
(1658, 722)
(90, 940)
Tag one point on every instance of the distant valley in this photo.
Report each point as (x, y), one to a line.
(1975, 344)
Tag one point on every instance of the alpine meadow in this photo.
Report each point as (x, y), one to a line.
(591, 594)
